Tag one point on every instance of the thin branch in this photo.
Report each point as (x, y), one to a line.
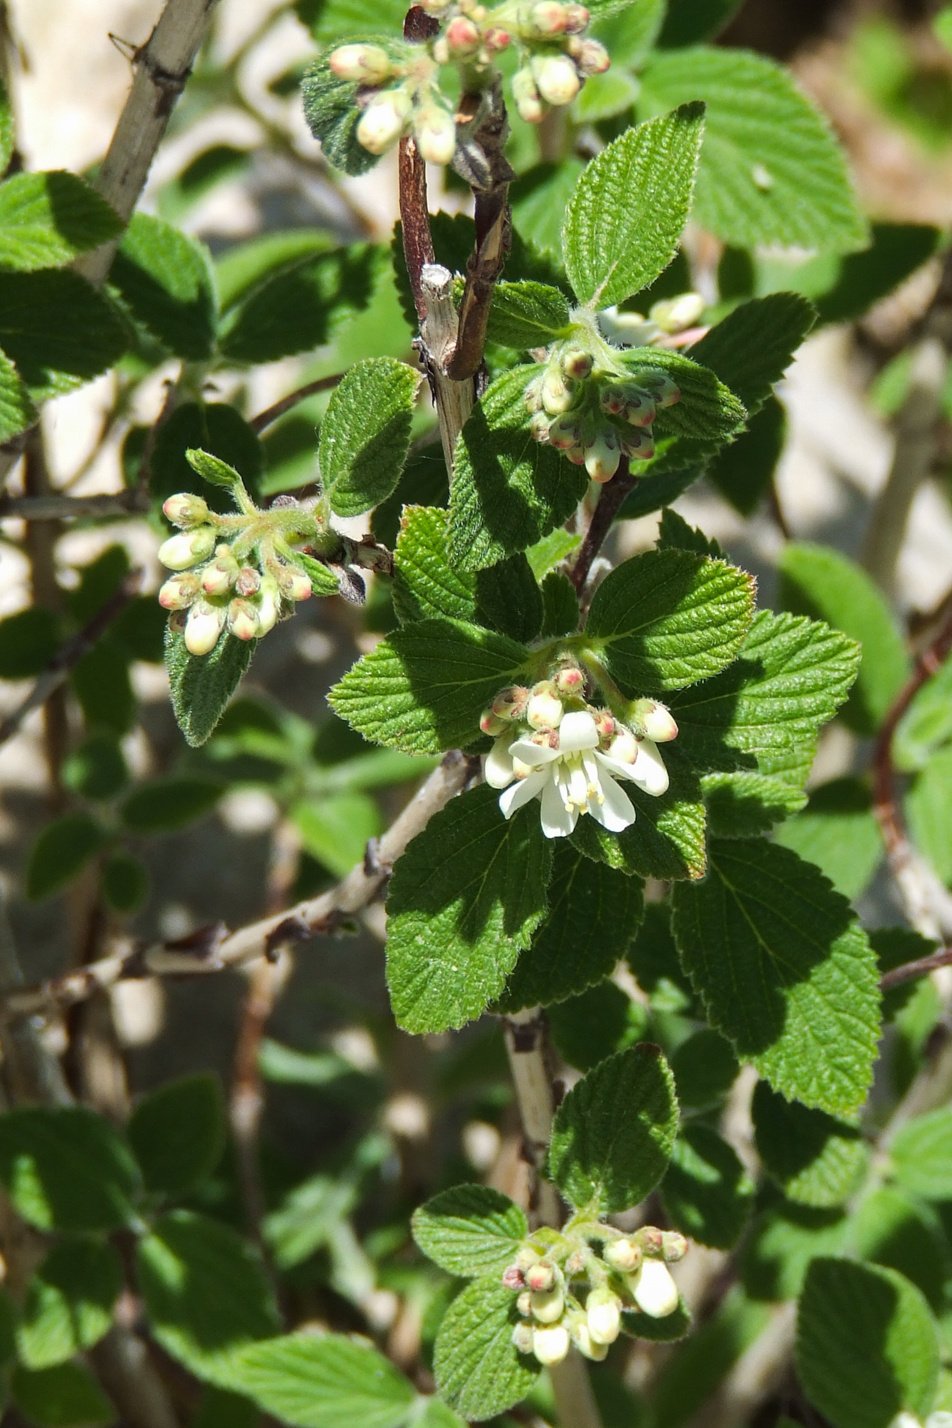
(65, 508)
(610, 502)
(69, 655)
(214, 948)
(920, 968)
(310, 389)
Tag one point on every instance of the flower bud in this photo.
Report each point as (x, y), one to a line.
(657, 721)
(542, 1276)
(551, 1344)
(219, 577)
(577, 363)
(364, 64)
(510, 704)
(548, 17)
(243, 619)
(434, 7)
(564, 432)
(664, 389)
(673, 1246)
(202, 627)
(269, 605)
(638, 407)
(653, 1289)
(557, 79)
(189, 548)
(547, 1305)
(627, 329)
(435, 132)
(605, 724)
(577, 19)
(544, 711)
(559, 393)
(179, 591)
(582, 1339)
(293, 583)
(491, 724)
(569, 680)
(624, 747)
(496, 39)
(384, 120)
(623, 1254)
(591, 57)
(513, 1278)
(602, 457)
(638, 445)
(528, 99)
(678, 313)
(524, 1304)
(185, 510)
(603, 1314)
(539, 424)
(247, 582)
(462, 37)
(522, 1336)
(533, 394)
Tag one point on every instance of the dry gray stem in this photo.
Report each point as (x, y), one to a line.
(439, 329)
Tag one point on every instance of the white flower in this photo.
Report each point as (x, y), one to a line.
(574, 777)
(654, 1290)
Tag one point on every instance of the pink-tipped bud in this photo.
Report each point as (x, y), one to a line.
(384, 120)
(577, 363)
(247, 582)
(602, 457)
(179, 591)
(181, 552)
(638, 445)
(513, 1277)
(203, 627)
(639, 408)
(528, 99)
(550, 1344)
(564, 433)
(496, 39)
(219, 577)
(547, 1305)
(269, 605)
(544, 711)
(491, 724)
(510, 703)
(657, 721)
(364, 64)
(539, 425)
(605, 725)
(578, 18)
(623, 1254)
(575, 454)
(590, 56)
(243, 620)
(664, 389)
(674, 1246)
(435, 132)
(548, 17)
(557, 79)
(559, 393)
(569, 680)
(185, 510)
(603, 1313)
(653, 1289)
(542, 1276)
(462, 37)
(294, 584)
(522, 1336)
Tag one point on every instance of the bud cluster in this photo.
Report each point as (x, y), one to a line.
(400, 89)
(228, 574)
(595, 415)
(575, 1292)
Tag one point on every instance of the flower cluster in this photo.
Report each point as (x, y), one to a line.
(228, 574)
(596, 415)
(400, 84)
(577, 1293)
(551, 745)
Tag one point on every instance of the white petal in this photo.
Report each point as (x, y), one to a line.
(649, 770)
(616, 768)
(617, 811)
(521, 792)
(535, 755)
(656, 1292)
(498, 771)
(557, 820)
(577, 732)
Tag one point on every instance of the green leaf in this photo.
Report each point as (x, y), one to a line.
(625, 218)
(783, 971)
(28, 641)
(867, 1345)
(66, 1169)
(930, 813)
(742, 804)
(666, 1330)
(551, 550)
(783, 1242)
(423, 689)
(201, 686)
(744, 470)
(707, 1192)
(17, 412)
(688, 21)
(365, 434)
(7, 136)
(508, 490)
(470, 1230)
(212, 469)
(425, 582)
(752, 347)
(816, 1159)
(165, 279)
(299, 306)
(165, 804)
(923, 729)
(66, 1396)
(587, 1028)
(705, 1068)
(97, 768)
(668, 618)
(891, 1228)
(178, 1134)
(332, 114)
(477, 1368)
(895, 252)
(708, 411)
(819, 581)
(560, 612)
(539, 201)
(593, 914)
(323, 580)
(340, 19)
(921, 1155)
(464, 901)
(667, 838)
(630, 35)
(205, 1293)
(103, 687)
(765, 711)
(53, 356)
(526, 314)
(765, 148)
(605, 96)
(62, 850)
(205, 427)
(69, 1303)
(48, 219)
(125, 882)
(614, 1133)
(324, 1381)
(336, 829)
(508, 598)
(838, 832)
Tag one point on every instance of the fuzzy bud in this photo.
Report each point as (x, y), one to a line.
(462, 37)
(202, 627)
(543, 1276)
(181, 552)
(491, 724)
(577, 19)
(653, 1289)
(384, 120)
(218, 578)
(678, 313)
(664, 389)
(657, 721)
(602, 457)
(528, 99)
(564, 432)
(569, 680)
(524, 1304)
(363, 64)
(603, 1313)
(247, 582)
(243, 619)
(435, 132)
(269, 605)
(533, 395)
(513, 1277)
(510, 704)
(522, 1337)
(582, 1339)
(638, 445)
(544, 711)
(293, 583)
(577, 363)
(559, 393)
(547, 1305)
(590, 56)
(185, 510)
(496, 39)
(557, 79)
(179, 591)
(674, 1246)
(605, 724)
(550, 1344)
(548, 17)
(623, 1254)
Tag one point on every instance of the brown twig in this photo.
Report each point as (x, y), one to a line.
(214, 949)
(920, 968)
(55, 507)
(310, 389)
(69, 655)
(610, 501)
